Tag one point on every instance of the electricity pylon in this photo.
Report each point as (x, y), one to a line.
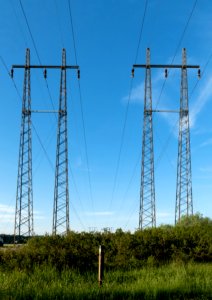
(184, 204)
(147, 190)
(24, 199)
(61, 191)
(24, 203)
(184, 201)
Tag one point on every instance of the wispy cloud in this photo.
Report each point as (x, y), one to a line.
(137, 93)
(164, 214)
(206, 143)
(7, 213)
(195, 110)
(7, 209)
(165, 217)
(207, 169)
(136, 96)
(203, 98)
(6, 218)
(78, 162)
(99, 213)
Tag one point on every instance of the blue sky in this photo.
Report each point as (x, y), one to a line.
(107, 39)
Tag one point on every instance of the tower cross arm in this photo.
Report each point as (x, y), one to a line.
(166, 66)
(45, 67)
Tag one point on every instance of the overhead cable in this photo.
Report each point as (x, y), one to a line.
(127, 108)
(81, 107)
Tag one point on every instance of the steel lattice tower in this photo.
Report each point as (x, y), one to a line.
(147, 216)
(24, 199)
(61, 191)
(184, 201)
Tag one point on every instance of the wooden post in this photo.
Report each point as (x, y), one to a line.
(101, 265)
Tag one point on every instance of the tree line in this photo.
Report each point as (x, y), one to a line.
(189, 240)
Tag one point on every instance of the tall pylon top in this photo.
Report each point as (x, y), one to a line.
(147, 57)
(184, 57)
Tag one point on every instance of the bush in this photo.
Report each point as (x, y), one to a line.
(190, 240)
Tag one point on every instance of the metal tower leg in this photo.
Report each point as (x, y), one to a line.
(184, 201)
(61, 192)
(24, 199)
(147, 216)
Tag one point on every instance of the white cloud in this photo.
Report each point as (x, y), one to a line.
(164, 217)
(206, 143)
(164, 214)
(203, 98)
(207, 169)
(198, 106)
(99, 213)
(78, 162)
(137, 94)
(7, 209)
(7, 215)
(6, 218)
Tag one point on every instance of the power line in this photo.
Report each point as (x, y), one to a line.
(19, 24)
(19, 95)
(127, 108)
(77, 215)
(131, 180)
(30, 32)
(43, 148)
(34, 44)
(131, 214)
(36, 50)
(163, 151)
(8, 72)
(121, 144)
(86, 148)
(202, 73)
(165, 146)
(81, 106)
(177, 48)
(71, 171)
(182, 36)
(72, 29)
(141, 31)
(20, 98)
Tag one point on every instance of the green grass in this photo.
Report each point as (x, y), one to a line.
(175, 281)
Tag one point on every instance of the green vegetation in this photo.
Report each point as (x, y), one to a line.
(191, 240)
(190, 281)
(168, 262)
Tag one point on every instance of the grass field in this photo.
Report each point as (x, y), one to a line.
(174, 281)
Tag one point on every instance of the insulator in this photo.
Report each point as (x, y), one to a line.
(78, 74)
(11, 73)
(166, 73)
(45, 73)
(199, 74)
(132, 73)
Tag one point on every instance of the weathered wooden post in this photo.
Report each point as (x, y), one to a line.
(101, 265)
